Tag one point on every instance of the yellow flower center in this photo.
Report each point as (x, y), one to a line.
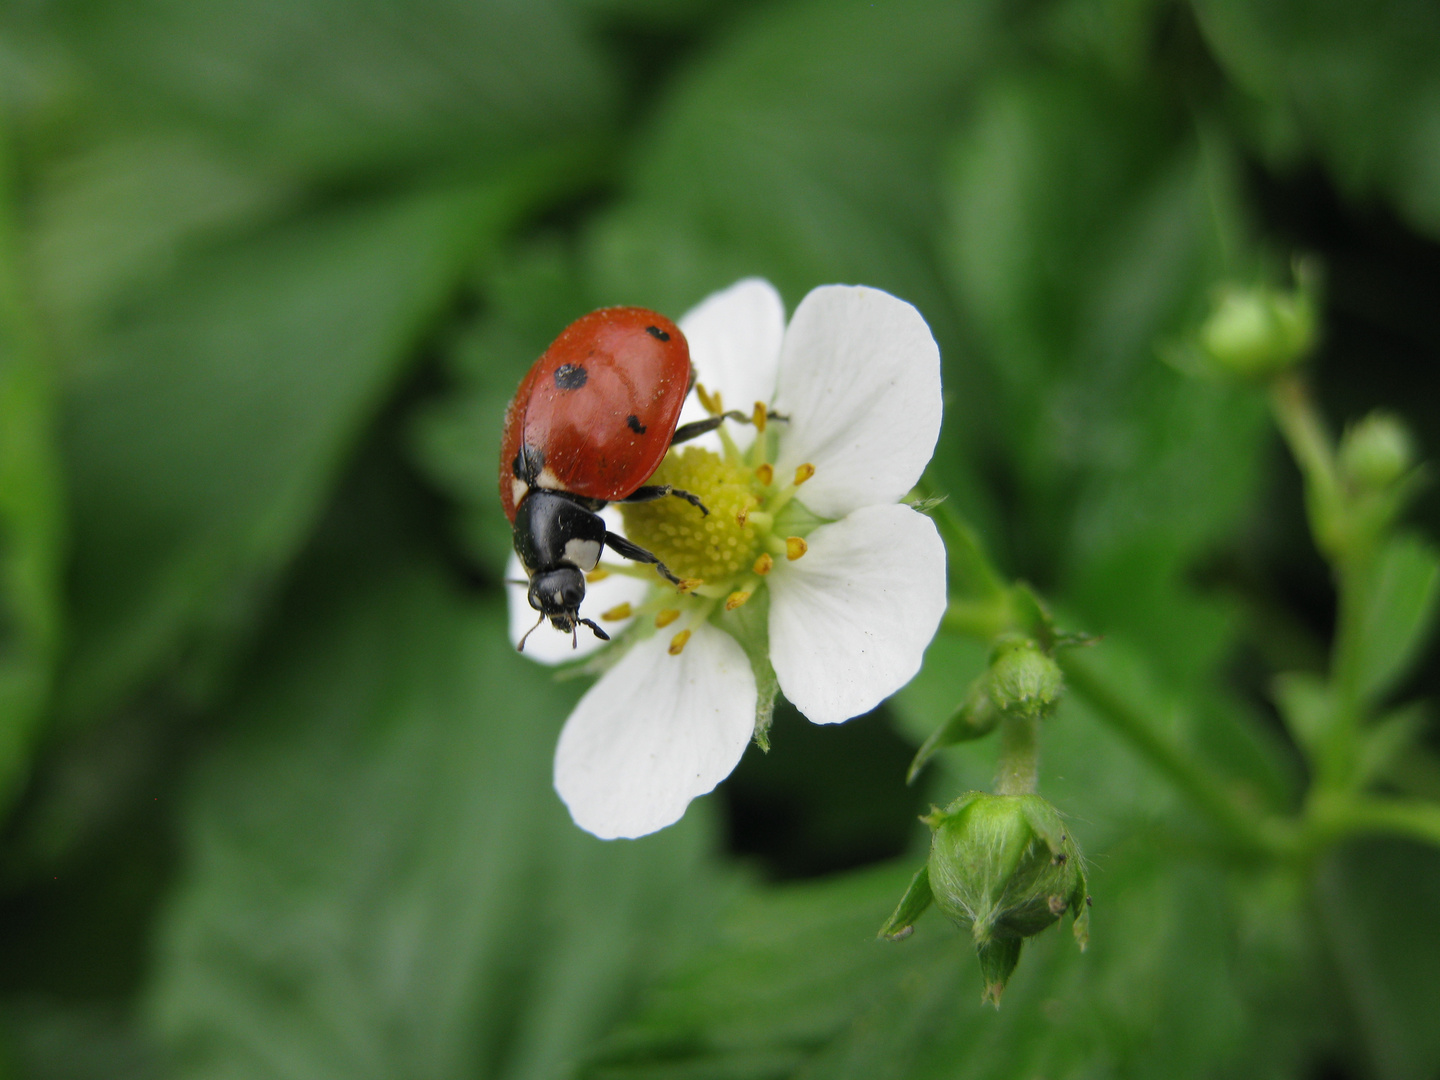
(712, 547)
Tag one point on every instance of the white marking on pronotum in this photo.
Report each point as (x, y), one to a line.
(548, 479)
(582, 553)
(518, 488)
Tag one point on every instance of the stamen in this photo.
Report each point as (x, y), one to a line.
(677, 643)
(598, 574)
(803, 473)
(795, 547)
(688, 585)
(743, 516)
(764, 563)
(709, 403)
(735, 599)
(666, 617)
(765, 474)
(758, 415)
(618, 612)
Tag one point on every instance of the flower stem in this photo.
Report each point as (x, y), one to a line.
(1335, 819)
(1019, 772)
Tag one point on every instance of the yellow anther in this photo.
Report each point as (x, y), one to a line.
(803, 473)
(795, 547)
(666, 617)
(758, 415)
(710, 403)
(598, 574)
(763, 564)
(743, 516)
(677, 643)
(690, 584)
(765, 474)
(616, 613)
(735, 599)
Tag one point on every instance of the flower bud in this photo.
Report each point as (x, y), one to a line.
(1257, 332)
(1004, 867)
(1376, 452)
(1024, 681)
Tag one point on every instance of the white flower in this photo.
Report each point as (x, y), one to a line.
(856, 377)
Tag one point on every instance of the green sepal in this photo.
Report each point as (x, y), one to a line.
(998, 959)
(1047, 823)
(749, 624)
(1031, 615)
(1384, 741)
(1307, 707)
(917, 898)
(975, 718)
(1080, 909)
(938, 817)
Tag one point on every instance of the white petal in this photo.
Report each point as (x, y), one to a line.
(734, 338)
(860, 380)
(850, 619)
(548, 645)
(655, 732)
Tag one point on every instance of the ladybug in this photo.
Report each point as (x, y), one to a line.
(589, 425)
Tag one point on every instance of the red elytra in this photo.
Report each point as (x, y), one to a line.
(600, 405)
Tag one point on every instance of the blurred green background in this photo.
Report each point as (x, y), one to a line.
(276, 788)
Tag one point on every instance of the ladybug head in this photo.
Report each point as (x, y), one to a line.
(556, 594)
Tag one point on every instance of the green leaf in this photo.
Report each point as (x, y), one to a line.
(1356, 84)
(327, 88)
(1307, 707)
(1088, 224)
(798, 987)
(1401, 592)
(120, 214)
(31, 513)
(1384, 742)
(377, 879)
(1378, 904)
(204, 435)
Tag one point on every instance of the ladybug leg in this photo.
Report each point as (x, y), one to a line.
(651, 492)
(693, 430)
(636, 553)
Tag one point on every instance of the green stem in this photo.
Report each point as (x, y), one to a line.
(1330, 820)
(1244, 829)
(971, 571)
(1019, 771)
(981, 619)
(1314, 451)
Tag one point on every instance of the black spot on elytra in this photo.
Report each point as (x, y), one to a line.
(656, 332)
(571, 376)
(633, 422)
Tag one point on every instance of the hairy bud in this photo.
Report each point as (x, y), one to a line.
(1024, 681)
(1376, 452)
(1004, 868)
(1257, 332)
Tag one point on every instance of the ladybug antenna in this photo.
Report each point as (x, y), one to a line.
(601, 634)
(525, 637)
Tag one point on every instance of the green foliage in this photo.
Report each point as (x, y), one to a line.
(1402, 596)
(31, 515)
(279, 790)
(205, 436)
(379, 881)
(799, 985)
(1353, 84)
